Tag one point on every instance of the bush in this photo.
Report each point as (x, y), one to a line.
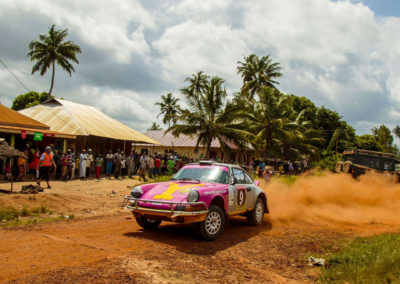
(328, 162)
(365, 260)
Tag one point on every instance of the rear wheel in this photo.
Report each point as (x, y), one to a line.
(146, 223)
(211, 228)
(256, 216)
(339, 166)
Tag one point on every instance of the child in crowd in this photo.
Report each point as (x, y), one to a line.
(99, 164)
(8, 171)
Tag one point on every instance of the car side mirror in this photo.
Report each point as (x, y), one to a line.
(234, 181)
(257, 182)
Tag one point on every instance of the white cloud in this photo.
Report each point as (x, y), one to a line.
(193, 46)
(103, 24)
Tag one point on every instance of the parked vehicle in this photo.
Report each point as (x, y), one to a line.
(358, 162)
(204, 193)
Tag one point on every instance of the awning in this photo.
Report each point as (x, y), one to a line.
(31, 131)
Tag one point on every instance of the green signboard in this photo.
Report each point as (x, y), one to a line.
(38, 136)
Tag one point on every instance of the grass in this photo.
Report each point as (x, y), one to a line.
(11, 217)
(365, 260)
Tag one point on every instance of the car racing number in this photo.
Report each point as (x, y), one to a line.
(241, 197)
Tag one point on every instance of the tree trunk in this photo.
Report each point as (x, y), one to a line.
(52, 80)
(208, 150)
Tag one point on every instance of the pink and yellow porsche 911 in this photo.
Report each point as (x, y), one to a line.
(204, 193)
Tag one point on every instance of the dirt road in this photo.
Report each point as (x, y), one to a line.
(111, 248)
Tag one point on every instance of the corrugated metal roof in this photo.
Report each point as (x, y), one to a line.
(169, 140)
(10, 117)
(78, 119)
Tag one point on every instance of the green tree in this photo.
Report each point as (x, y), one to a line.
(29, 99)
(209, 115)
(268, 123)
(384, 138)
(169, 108)
(330, 122)
(52, 48)
(258, 72)
(396, 131)
(367, 142)
(155, 126)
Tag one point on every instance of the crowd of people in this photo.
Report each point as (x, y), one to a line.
(52, 162)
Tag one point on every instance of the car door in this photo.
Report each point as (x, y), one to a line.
(250, 191)
(238, 192)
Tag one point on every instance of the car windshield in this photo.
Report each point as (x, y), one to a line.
(210, 174)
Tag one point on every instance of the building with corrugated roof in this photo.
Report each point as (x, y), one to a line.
(185, 145)
(92, 128)
(18, 130)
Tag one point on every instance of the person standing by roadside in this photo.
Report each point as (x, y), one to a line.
(89, 162)
(117, 164)
(70, 163)
(150, 166)
(64, 163)
(45, 163)
(109, 163)
(57, 159)
(82, 164)
(99, 164)
(21, 167)
(171, 165)
(123, 164)
(157, 166)
(142, 167)
(129, 165)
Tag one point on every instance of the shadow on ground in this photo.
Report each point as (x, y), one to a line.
(185, 238)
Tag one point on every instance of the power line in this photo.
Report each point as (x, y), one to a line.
(15, 76)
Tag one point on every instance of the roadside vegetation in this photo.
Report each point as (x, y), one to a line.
(373, 259)
(11, 217)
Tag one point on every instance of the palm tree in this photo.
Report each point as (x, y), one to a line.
(258, 72)
(267, 122)
(155, 126)
(396, 131)
(209, 115)
(169, 108)
(52, 48)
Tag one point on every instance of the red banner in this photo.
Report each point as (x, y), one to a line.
(23, 134)
(48, 134)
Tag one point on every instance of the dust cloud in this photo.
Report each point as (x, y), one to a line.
(335, 199)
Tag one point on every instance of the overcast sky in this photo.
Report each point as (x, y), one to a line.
(341, 54)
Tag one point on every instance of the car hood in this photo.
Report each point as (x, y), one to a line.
(175, 191)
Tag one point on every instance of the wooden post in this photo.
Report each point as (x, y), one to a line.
(12, 142)
(65, 145)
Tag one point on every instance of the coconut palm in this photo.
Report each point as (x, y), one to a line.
(209, 115)
(267, 122)
(155, 126)
(169, 108)
(258, 72)
(52, 48)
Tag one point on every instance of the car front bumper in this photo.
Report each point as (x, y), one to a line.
(171, 214)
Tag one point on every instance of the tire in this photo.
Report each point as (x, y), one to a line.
(256, 216)
(339, 166)
(147, 223)
(346, 167)
(211, 228)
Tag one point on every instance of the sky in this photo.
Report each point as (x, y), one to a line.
(344, 55)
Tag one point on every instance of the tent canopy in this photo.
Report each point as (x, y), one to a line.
(78, 119)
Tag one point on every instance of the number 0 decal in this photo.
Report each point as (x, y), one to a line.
(241, 197)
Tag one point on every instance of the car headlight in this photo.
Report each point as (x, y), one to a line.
(193, 196)
(136, 192)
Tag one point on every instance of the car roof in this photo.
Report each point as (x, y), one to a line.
(212, 163)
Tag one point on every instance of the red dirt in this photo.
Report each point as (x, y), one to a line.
(113, 249)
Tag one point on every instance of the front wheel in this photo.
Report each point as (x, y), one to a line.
(146, 223)
(256, 216)
(211, 228)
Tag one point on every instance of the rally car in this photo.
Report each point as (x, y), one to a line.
(204, 193)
